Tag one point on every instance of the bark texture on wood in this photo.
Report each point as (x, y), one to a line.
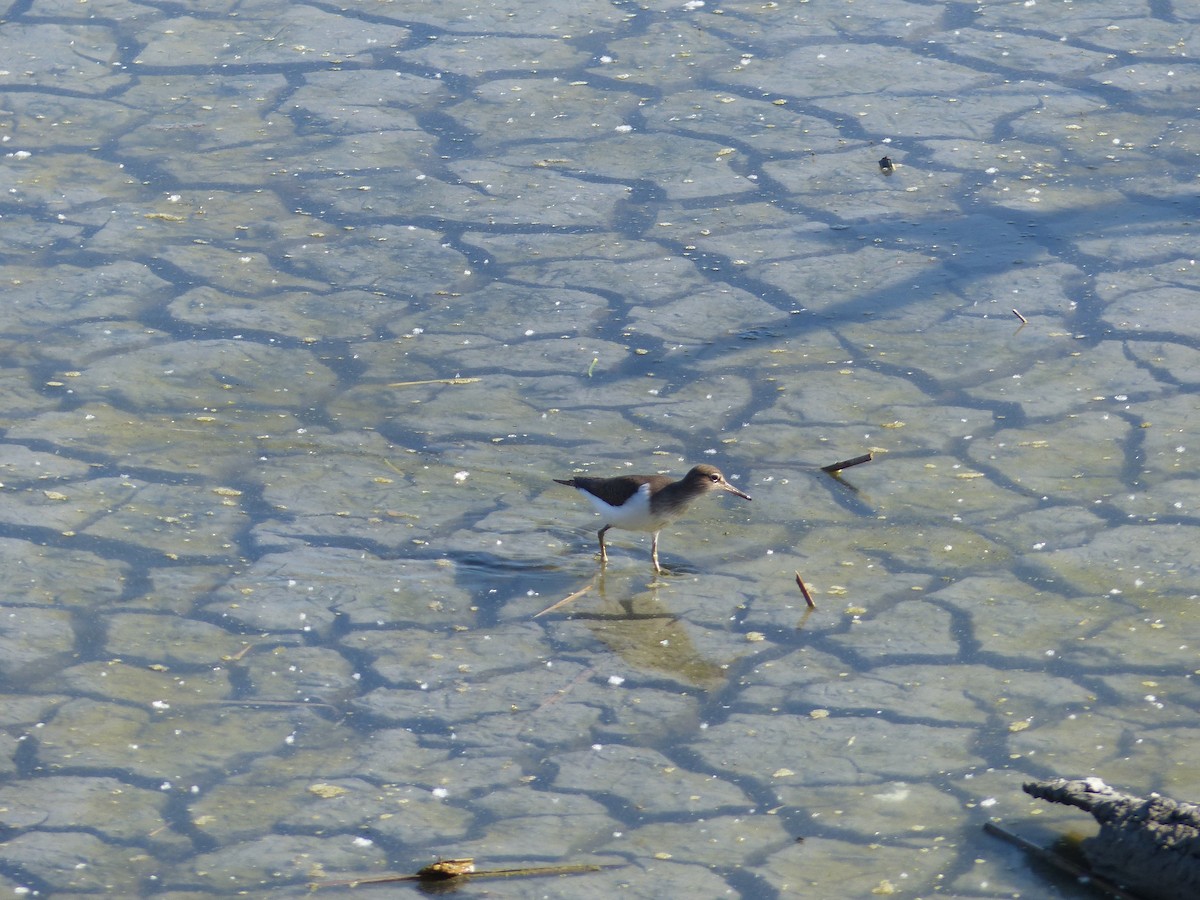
(1150, 845)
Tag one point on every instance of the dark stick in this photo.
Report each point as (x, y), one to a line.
(847, 463)
(435, 874)
(807, 597)
(1024, 321)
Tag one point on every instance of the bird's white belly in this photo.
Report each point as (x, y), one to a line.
(632, 515)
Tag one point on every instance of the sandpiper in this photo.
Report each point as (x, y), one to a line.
(647, 502)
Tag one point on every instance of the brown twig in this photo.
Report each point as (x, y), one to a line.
(236, 657)
(847, 463)
(565, 600)
(562, 692)
(464, 869)
(435, 381)
(807, 596)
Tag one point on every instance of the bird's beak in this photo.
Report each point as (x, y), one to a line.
(725, 485)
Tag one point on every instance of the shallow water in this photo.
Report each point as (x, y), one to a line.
(308, 306)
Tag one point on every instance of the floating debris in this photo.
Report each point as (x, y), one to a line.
(447, 869)
(435, 381)
(565, 600)
(848, 463)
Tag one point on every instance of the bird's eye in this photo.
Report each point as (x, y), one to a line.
(714, 478)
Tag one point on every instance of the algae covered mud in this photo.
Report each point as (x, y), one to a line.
(306, 306)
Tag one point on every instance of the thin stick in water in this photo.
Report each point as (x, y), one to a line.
(807, 596)
(847, 463)
(565, 600)
(435, 381)
(461, 870)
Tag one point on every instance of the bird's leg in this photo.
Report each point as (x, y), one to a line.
(603, 550)
(654, 553)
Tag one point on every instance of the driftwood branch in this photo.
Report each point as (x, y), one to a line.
(834, 468)
(1148, 845)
